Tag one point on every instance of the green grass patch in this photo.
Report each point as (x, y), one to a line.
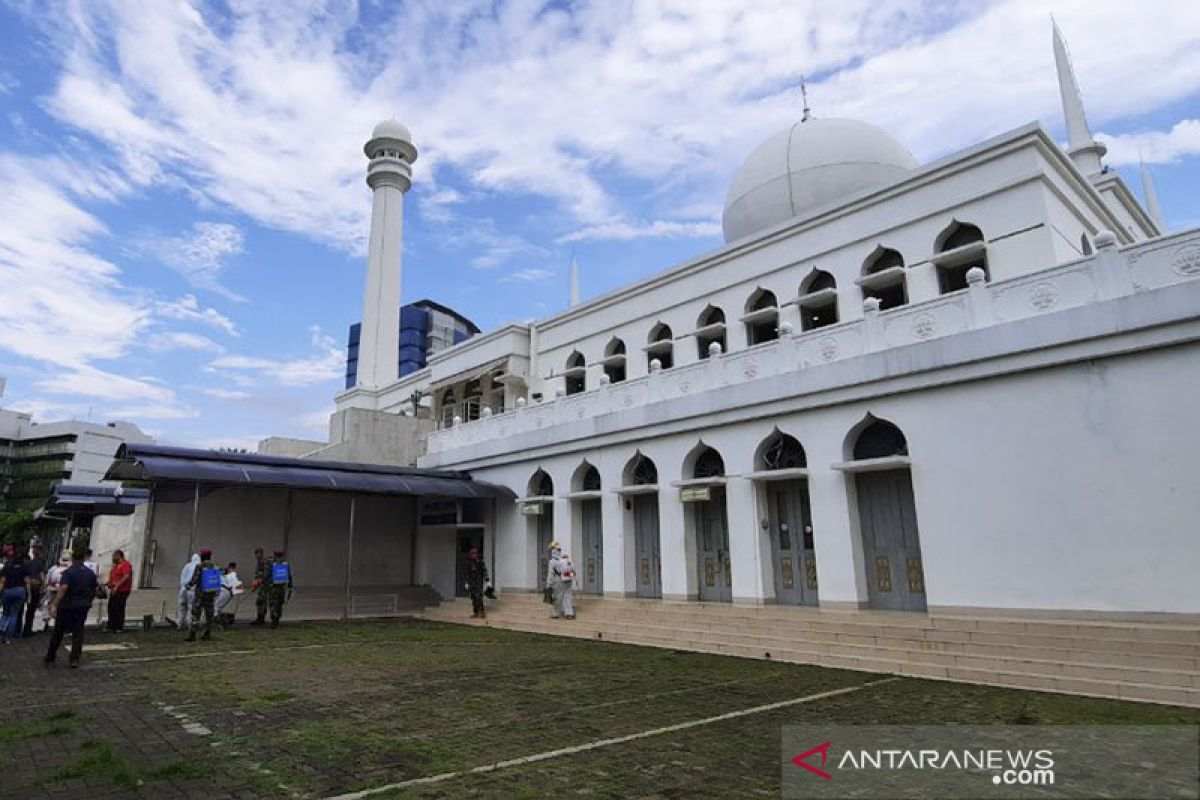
(100, 757)
(58, 723)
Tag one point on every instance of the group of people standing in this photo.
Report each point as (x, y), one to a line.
(209, 591)
(29, 588)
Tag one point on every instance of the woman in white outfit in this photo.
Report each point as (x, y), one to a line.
(185, 594)
(561, 581)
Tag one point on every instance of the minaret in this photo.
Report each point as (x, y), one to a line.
(389, 175)
(1085, 151)
(1150, 194)
(574, 282)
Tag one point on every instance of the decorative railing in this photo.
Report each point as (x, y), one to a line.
(1106, 274)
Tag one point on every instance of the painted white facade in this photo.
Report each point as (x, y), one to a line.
(1034, 336)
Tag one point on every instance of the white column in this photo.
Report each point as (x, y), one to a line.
(565, 524)
(837, 545)
(612, 518)
(678, 554)
(746, 556)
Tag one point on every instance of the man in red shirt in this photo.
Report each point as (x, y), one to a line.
(120, 584)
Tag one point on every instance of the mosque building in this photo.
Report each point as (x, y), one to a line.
(904, 386)
(936, 419)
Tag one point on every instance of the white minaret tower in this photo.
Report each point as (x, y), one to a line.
(1153, 206)
(574, 282)
(389, 175)
(1085, 151)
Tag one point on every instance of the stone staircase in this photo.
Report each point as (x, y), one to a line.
(1157, 662)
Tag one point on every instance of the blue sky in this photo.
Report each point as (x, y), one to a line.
(182, 206)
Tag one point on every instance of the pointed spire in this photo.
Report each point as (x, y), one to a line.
(805, 113)
(1150, 194)
(1081, 147)
(574, 281)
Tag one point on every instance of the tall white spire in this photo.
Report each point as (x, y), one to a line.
(1085, 151)
(389, 174)
(574, 281)
(1153, 207)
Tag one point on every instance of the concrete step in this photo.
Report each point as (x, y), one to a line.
(836, 626)
(1116, 668)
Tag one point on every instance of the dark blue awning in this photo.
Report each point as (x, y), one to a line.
(159, 464)
(69, 497)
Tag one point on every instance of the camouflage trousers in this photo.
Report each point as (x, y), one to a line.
(204, 602)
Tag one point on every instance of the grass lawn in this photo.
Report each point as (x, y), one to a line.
(320, 708)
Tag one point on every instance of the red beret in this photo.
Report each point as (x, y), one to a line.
(206, 551)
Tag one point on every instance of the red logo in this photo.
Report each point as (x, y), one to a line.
(823, 749)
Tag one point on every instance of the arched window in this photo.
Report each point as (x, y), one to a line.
(710, 328)
(576, 373)
(818, 300)
(541, 485)
(709, 464)
(959, 249)
(880, 439)
(762, 317)
(780, 451)
(640, 471)
(614, 360)
(883, 278)
(586, 479)
(661, 345)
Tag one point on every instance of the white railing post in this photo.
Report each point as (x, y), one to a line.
(872, 329)
(979, 298)
(1112, 268)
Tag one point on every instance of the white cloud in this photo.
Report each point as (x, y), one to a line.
(528, 275)
(327, 363)
(188, 308)
(658, 229)
(1154, 147)
(226, 394)
(60, 303)
(264, 110)
(178, 340)
(200, 255)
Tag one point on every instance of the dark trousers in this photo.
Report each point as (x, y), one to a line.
(70, 620)
(35, 599)
(116, 611)
(476, 593)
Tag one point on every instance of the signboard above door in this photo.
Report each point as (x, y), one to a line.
(694, 494)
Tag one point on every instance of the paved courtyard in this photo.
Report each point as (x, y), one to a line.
(321, 709)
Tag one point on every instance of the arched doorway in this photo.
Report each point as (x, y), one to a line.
(641, 501)
(705, 472)
(887, 516)
(585, 486)
(540, 505)
(789, 520)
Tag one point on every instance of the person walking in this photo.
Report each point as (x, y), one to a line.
(37, 582)
(281, 585)
(476, 579)
(14, 589)
(206, 584)
(564, 599)
(186, 595)
(261, 586)
(90, 564)
(120, 584)
(70, 606)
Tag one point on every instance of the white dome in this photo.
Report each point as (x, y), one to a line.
(391, 129)
(809, 165)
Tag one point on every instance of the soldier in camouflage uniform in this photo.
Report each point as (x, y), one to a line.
(261, 586)
(206, 584)
(280, 577)
(476, 578)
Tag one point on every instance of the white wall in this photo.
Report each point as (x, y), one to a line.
(1065, 488)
